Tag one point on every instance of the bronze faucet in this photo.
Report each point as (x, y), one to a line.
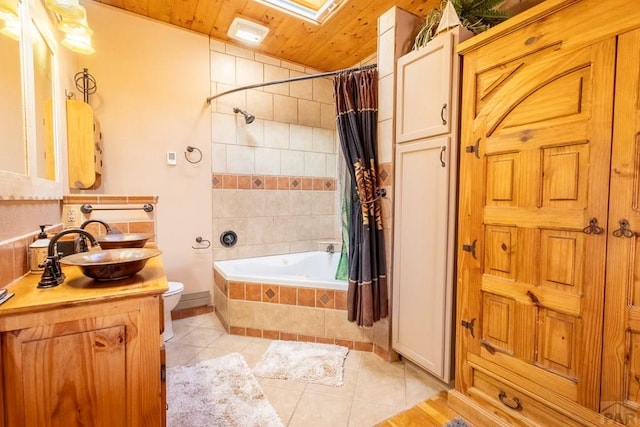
(82, 242)
(53, 275)
(106, 226)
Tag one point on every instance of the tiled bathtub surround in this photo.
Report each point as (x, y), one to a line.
(288, 313)
(274, 180)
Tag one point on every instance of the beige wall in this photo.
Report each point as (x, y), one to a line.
(152, 82)
(274, 179)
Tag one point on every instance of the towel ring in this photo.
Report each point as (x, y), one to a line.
(202, 241)
(191, 149)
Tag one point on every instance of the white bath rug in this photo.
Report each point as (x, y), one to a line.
(300, 361)
(217, 392)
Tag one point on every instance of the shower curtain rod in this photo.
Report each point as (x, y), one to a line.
(291, 79)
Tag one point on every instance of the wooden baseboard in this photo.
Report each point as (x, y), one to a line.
(190, 312)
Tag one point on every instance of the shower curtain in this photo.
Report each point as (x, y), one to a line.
(356, 98)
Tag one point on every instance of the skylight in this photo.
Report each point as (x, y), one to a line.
(316, 11)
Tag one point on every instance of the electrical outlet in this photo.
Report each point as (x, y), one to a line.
(72, 215)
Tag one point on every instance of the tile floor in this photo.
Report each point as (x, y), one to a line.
(373, 390)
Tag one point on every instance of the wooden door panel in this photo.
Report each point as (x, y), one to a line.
(562, 256)
(420, 251)
(542, 174)
(425, 110)
(502, 176)
(499, 253)
(497, 324)
(632, 374)
(621, 360)
(563, 184)
(487, 81)
(76, 388)
(553, 92)
(559, 342)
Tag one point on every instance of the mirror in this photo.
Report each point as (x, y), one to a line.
(28, 81)
(12, 133)
(43, 99)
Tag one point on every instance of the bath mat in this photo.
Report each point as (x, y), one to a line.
(300, 361)
(217, 392)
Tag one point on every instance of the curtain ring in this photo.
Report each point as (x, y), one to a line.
(191, 149)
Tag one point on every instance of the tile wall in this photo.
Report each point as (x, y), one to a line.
(121, 212)
(274, 180)
(19, 220)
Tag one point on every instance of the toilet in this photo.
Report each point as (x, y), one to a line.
(171, 299)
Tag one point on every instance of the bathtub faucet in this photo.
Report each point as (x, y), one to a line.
(330, 248)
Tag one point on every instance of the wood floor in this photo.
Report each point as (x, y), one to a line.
(433, 412)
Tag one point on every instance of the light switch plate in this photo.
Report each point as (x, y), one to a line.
(171, 158)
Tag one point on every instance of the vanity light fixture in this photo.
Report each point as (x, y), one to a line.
(79, 42)
(247, 31)
(69, 9)
(67, 25)
(11, 28)
(78, 34)
(8, 10)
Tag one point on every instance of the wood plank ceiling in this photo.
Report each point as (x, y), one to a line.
(348, 37)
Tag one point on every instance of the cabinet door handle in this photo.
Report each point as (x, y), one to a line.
(442, 150)
(624, 230)
(514, 403)
(444, 108)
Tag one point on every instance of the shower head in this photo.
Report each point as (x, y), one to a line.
(248, 118)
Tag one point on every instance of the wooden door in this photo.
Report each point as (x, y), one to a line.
(621, 361)
(422, 279)
(423, 106)
(534, 174)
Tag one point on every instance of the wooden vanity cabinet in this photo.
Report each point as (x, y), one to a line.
(93, 362)
(547, 319)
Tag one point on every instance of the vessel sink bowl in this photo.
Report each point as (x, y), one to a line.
(111, 264)
(123, 240)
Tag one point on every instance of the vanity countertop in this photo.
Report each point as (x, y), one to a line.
(78, 289)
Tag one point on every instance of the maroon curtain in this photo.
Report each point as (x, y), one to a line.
(356, 97)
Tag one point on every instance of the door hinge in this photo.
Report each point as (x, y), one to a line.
(471, 248)
(469, 325)
(474, 148)
(163, 373)
(491, 349)
(534, 299)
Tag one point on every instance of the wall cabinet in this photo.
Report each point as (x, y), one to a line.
(425, 198)
(549, 171)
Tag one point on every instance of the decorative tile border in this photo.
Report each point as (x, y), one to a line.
(385, 174)
(223, 181)
(276, 294)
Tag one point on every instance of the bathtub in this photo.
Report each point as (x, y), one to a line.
(304, 269)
